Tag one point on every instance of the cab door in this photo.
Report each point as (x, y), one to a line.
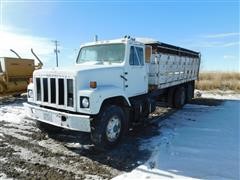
(136, 80)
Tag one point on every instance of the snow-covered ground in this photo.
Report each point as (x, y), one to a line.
(26, 152)
(197, 142)
(219, 94)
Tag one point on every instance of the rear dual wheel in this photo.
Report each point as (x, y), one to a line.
(179, 97)
(190, 91)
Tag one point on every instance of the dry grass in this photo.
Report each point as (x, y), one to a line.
(219, 80)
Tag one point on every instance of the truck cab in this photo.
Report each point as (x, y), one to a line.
(126, 55)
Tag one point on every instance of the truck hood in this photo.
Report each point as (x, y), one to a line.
(104, 75)
(75, 70)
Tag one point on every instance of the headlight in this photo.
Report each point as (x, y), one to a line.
(84, 102)
(30, 93)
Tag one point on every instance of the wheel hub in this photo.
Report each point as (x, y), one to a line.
(113, 128)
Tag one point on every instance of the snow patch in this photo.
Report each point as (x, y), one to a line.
(15, 133)
(218, 94)
(50, 161)
(3, 161)
(197, 142)
(13, 114)
(55, 147)
(4, 176)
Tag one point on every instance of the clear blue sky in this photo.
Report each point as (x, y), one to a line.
(211, 27)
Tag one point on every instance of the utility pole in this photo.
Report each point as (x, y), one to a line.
(56, 50)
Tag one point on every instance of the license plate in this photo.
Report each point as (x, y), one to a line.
(47, 117)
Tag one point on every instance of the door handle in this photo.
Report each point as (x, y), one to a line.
(123, 77)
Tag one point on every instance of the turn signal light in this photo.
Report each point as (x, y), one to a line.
(93, 84)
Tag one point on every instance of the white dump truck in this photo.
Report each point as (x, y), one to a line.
(114, 85)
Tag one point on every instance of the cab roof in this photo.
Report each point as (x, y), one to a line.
(157, 45)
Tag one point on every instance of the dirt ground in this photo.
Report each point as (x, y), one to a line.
(28, 153)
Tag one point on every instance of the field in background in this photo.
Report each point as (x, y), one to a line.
(219, 80)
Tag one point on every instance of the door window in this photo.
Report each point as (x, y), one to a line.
(136, 56)
(140, 54)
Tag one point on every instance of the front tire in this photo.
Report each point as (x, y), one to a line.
(108, 128)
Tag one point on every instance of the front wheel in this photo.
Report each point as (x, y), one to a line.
(108, 127)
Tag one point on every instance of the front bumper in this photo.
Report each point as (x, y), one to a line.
(60, 119)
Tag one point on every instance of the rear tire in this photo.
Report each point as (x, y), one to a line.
(108, 128)
(190, 91)
(179, 97)
(48, 128)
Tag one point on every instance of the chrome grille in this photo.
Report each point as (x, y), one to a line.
(61, 93)
(45, 90)
(55, 91)
(38, 89)
(70, 93)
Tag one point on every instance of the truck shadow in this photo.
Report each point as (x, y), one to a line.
(128, 154)
(125, 157)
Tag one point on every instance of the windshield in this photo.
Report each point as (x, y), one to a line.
(112, 53)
